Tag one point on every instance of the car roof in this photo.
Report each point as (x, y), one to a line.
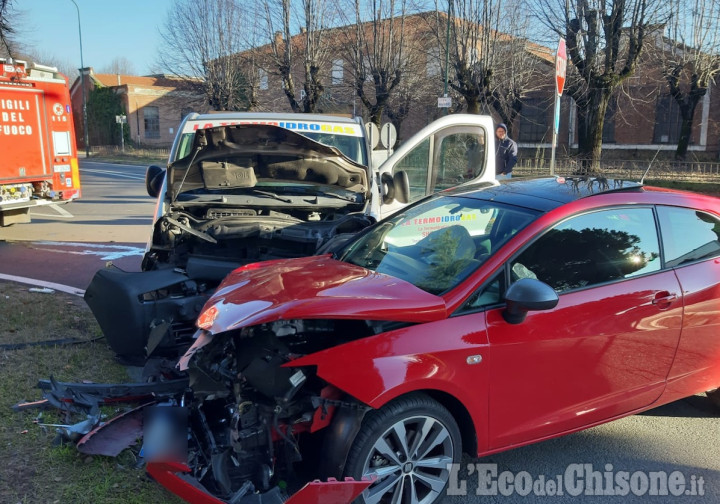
(544, 194)
(270, 116)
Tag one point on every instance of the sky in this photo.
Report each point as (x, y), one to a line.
(110, 29)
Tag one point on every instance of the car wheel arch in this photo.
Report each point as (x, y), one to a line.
(472, 436)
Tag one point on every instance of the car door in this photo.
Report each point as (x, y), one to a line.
(691, 244)
(606, 348)
(448, 152)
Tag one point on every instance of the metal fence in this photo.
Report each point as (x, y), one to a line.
(140, 152)
(689, 171)
(630, 170)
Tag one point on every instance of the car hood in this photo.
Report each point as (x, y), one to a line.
(316, 287)
(238, 156)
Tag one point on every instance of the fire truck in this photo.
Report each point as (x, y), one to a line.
(38, 155)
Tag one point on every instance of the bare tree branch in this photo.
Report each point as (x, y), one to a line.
(605, 39)
(492, 65)
(306, 55)
(200, 44)
(689, 56)
(6, 29)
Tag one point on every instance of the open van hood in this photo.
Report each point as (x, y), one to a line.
(240, 156)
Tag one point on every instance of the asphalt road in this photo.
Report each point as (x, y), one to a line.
(69, 243)
(682, 440)
(683, 436)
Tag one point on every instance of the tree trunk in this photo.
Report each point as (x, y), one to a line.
(376, 113)
(473, 104)
(687, 113)
(590, 128)
(685, 132)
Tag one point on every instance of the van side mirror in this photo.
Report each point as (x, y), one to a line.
(402, 186)
(528, 294)
(395, 187)
(154, 177)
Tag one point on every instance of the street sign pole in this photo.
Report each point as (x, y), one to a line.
(121, 120)
(560, 71)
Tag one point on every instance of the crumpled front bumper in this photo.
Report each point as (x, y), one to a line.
(171, 476)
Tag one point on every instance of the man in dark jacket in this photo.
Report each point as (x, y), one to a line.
(505, 153)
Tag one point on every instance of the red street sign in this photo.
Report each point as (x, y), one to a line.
(560, 66)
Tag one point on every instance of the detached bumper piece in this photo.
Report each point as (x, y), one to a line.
(94, 437)
(172, 476)
(143, 312)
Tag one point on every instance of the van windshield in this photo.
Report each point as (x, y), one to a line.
(350, 146)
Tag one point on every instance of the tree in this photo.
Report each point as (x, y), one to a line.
(605, 39)
(691, 58)
(121, 66)
(491, 63)
(200, 45)
(6, 29)
(103, 104)
(308, 50)
(379, 53)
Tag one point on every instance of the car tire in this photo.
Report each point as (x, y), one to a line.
(714, 396)
(407, 466)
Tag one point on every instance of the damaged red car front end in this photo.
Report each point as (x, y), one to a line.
(260, 426)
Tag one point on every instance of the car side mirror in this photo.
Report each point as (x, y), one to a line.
(395, 187)
(154, 177)
(528, 294)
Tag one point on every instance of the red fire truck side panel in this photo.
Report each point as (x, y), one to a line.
(38, 160)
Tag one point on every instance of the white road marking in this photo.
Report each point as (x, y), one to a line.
(61, 212)
(114, 173)
(41, 283)
(105, 252)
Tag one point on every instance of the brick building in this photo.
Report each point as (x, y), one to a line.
(642, 116)
(154, 105)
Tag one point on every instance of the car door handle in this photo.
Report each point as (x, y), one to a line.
(664, 299)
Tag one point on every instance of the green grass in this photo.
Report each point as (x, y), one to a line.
(32, 469)
(699, 187)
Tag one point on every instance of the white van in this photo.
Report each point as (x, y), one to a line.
(245, 187)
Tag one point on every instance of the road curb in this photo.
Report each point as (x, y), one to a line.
(40, 283)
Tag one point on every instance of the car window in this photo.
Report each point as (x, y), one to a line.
(688, 235)
(459, 157)
(350, 146)
(491, 293)
(436, 244)
(185, 145)
(592, 249)
(415, 163)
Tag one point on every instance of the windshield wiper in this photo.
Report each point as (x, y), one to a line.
(331, 195)
(272, 195)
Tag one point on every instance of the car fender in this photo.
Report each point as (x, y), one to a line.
(433, 358)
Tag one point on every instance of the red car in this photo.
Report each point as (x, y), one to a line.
(479, 319)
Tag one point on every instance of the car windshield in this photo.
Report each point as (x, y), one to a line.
(350, 146)
(438, 243)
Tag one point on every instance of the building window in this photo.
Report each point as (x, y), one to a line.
(151, 116)
(263, 79)
(367, 69)
(337, 72)
(667, 120)
(432, 68)
(608, 133)
(534, 125)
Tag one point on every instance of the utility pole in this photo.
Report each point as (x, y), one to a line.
(447, 52)
(82, 84)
